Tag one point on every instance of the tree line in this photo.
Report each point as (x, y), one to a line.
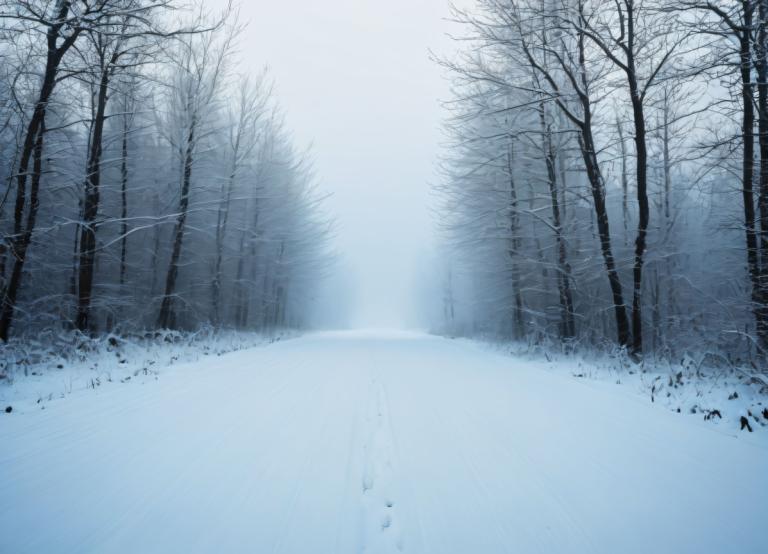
(605, 177)
(145, 182)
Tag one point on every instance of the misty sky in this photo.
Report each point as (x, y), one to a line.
(356, 81)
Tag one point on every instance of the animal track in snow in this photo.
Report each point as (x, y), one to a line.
(381, 532)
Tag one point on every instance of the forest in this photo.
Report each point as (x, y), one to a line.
(605, 177)
(501, 286)
(146, 181)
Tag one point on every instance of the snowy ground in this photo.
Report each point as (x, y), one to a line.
(373, 442)
(703, 386)
(36, 372)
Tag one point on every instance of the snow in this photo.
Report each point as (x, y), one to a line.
(52, 366)
(701, 386)
(374, 442)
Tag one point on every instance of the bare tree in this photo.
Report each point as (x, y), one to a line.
(63, 24)
(639, 44)
(113, 185)
(200, 72)
(246, 127)
(576, 86)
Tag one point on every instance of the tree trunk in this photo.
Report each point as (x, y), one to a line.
(666, 156)
(241, 292)
(166, 319)
(21, 242)
(514, 251)
(22, 235)
(87, 258)
(748, 170)
(603, 229)
(641, 151)
(642, 224)
(669, 260)
(567, 321)
(32, 147)
(124, 202)
(624, 178)
(597, 187)
(761, 49)
(221, 230)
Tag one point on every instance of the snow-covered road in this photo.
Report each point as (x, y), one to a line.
(375, 443)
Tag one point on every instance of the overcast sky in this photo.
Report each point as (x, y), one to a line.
(356, 81)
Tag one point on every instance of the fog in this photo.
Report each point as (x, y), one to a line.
(357, 84)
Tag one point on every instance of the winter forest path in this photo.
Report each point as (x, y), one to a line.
(375, 443)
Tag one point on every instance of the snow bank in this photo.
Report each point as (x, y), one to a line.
(731, 398)
(52, 366)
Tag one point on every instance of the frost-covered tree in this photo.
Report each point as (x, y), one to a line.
(589, 147)
(145, 183)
